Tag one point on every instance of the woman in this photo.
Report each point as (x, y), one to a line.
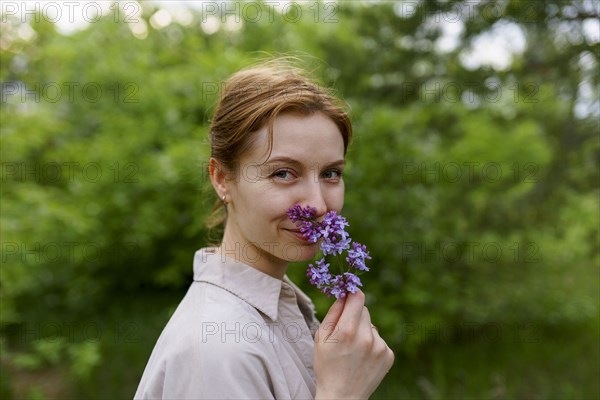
(244, 330)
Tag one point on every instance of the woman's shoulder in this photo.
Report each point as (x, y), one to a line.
(205, 306)
(211, 335)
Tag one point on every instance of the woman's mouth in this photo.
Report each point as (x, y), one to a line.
(296, 233)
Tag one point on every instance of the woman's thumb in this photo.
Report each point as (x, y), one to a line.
(331, 319)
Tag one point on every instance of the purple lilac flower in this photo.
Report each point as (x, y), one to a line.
(336, 221)
(310, 233)
(333, 224)
(335, 246)
(352, 282)
(337, 288)
(297, 213)
(306, 220)
(332, 230)
(357, 256)
(319, 275)
(334, 241)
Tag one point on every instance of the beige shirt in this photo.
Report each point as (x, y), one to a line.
(237, 334)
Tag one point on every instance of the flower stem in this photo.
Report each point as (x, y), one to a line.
(340, 263)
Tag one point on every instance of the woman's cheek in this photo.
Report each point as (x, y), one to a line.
(337, 198)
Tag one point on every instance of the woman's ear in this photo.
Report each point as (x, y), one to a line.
(218, 178)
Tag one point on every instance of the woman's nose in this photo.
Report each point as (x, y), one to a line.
(315, 198)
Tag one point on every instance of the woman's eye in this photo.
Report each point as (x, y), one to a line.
(284, 174)
(333, 174)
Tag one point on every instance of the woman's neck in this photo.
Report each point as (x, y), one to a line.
(251, 254)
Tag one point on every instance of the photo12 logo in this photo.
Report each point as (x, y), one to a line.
(468, 172)
(69, 171)
(468, 252)
(254, 12)
(70, 11)
(68, 252)
(55, 92)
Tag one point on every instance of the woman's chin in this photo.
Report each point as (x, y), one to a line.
(296, 253)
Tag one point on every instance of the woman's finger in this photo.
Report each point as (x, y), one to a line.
(331, 319)
(353, 309)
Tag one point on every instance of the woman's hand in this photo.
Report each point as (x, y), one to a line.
(350, 357)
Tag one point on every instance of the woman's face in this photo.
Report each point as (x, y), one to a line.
(305, 167)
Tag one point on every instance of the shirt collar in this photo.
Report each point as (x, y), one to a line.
(256, 288)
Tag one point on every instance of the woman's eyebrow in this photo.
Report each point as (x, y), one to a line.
(338, 163)
(288, 160)
(284, 159)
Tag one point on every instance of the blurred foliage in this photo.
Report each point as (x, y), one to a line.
(475, 188)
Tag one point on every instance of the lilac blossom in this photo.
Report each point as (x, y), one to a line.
(335, 224)
(337, 288)
(334, 241)
(357, 256)
(352, 282)
(335, 246)
(306, 220)
(319, 275)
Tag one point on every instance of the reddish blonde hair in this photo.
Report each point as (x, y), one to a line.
(253, 98)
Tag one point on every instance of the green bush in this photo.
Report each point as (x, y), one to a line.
(479, 213)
